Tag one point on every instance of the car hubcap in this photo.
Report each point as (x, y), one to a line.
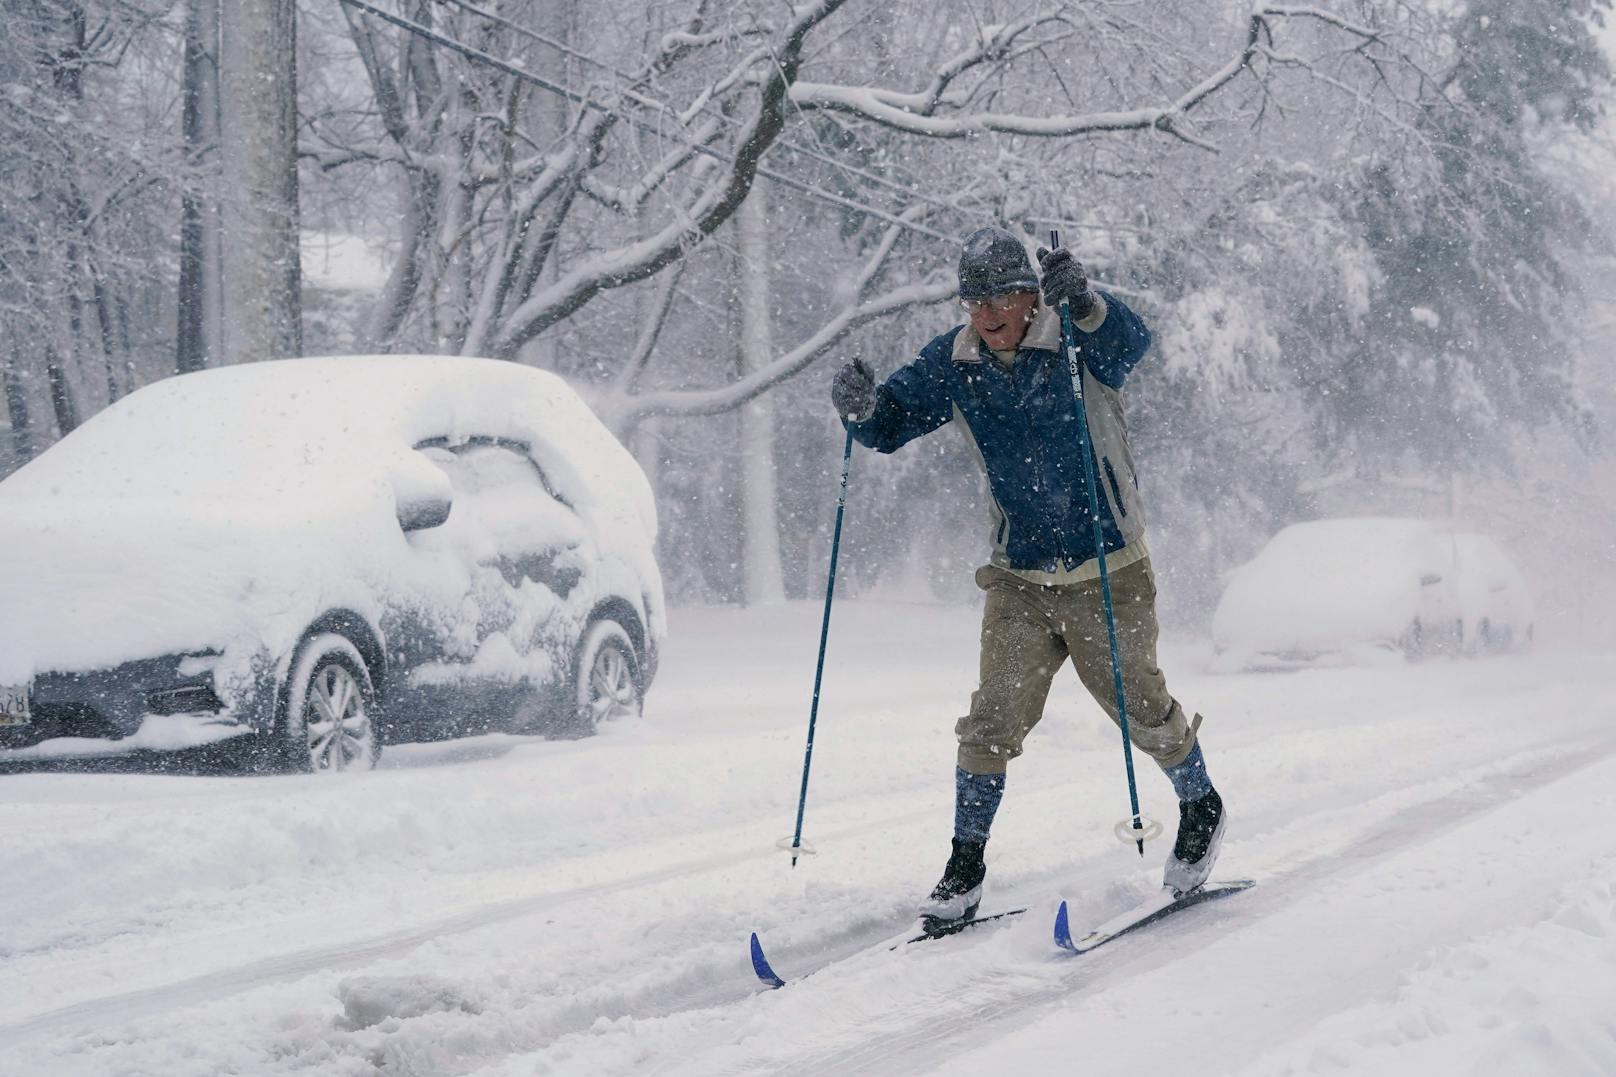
(612, 691)
(338, 727)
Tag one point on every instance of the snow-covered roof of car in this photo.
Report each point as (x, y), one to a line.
(1347, 537)
(281, 426)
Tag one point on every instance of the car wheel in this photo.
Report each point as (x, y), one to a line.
(329, 723)
(1414, 641)
(606, 678)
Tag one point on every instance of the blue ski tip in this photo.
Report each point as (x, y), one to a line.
(1063, 930)
(760, 965)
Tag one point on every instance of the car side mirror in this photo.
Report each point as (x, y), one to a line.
(422, 513)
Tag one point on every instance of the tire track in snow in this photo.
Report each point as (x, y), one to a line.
(923, 1031)
(112, 1009)
(115, 1008)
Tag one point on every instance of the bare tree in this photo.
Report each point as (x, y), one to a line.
(534, 229)
(78, 248)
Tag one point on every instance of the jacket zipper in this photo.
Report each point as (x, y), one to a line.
(1111, 477)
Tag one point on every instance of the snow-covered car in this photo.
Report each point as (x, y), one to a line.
(315, 555)
(1358, 590)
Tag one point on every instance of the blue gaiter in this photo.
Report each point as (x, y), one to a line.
(976, 800)
(1189, 778)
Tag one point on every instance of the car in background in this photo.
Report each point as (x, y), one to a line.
(308, 557)
(1369, 589)
(1495, 603)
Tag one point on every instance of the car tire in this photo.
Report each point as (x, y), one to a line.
(1414, 641)
(606, 682)
(329, 721)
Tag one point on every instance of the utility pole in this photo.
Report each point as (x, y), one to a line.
(262, 286)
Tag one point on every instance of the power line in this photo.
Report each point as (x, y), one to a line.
(534, 35)
(478, 56)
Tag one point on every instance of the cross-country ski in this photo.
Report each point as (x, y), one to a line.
(925, 931)
(1156, 908)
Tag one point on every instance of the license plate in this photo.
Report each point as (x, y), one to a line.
(13, 705)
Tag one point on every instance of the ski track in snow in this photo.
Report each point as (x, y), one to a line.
(1419, 834)
(937, 1034)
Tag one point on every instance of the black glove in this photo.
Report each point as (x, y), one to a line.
(1066, 279)
(853, 391)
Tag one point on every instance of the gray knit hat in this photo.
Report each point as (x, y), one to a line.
(994, 263)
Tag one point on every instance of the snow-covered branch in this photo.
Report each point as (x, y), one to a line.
(722, 85)
(651, 325)
(624, 414)
(1309, 11)
(712, 207)
(927, 113)
(876, 262)
(629, 198)
(624, 410)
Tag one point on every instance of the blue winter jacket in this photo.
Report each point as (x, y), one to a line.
(1021, 423)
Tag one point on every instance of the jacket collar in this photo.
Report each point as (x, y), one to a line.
(1043, 333)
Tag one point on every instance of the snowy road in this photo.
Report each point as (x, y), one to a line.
(1437, 884)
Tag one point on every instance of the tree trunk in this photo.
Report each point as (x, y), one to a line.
(114, 356)
(18, 412)
(73, 219)
(453, 249)
(197, 341)
(61, 393)
(551, 114)
(760, 528)
(262, 314)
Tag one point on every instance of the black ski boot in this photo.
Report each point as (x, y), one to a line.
(959, 892)
(1200, 833)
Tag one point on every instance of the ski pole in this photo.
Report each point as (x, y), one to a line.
(824, 634)
(1069, 339)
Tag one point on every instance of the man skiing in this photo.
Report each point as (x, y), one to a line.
(1003, 380)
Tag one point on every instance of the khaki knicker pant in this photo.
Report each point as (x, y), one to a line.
(1029, 629)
